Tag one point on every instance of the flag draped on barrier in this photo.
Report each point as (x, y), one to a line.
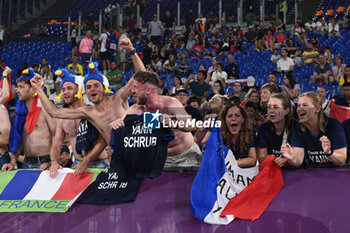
(219, 181)
(36, 191)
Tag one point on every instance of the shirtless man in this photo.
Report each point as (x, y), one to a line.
(182, 151)
(36, 144)
(105, 109)
(5, 125)
(69, 128)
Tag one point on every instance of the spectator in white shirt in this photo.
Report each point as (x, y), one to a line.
(275, 57)
(285, 64)
(202, 19)
(333, 28)
(219, 74)
(155, 30)
(310, 25)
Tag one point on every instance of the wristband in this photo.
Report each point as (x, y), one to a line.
(4, 77)
(330, 153)
(132, 52)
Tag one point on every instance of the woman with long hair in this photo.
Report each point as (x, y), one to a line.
(346, 77)
(238, 135)
(254, 115)
(177, 84)
(290, 87)
(266, 91)
(252, 95)
(317, 140)
(47, 76)
(169, 65)
(218, 89)
(277, 130)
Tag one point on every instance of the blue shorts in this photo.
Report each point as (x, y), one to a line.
(86, 57)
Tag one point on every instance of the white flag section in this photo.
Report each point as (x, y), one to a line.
(234, 180)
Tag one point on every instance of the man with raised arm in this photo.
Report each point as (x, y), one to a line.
(105, 109)
(97, 157)
(5, 124)
(182, 151)
(33, 129)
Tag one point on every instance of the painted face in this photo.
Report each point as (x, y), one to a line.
(265, 95)
(306, 110)
(276, 113)
(24, 91)
(234, 120)
(94, 91)
(69, 91)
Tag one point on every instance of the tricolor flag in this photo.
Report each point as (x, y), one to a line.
(36, 191)
(220, 181)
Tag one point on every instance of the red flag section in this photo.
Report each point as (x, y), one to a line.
(254, 199)
(72, 186)
(341, 113)
(33, 114)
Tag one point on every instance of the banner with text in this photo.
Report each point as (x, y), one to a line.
(36, 191)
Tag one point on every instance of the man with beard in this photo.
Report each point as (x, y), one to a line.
(33, 128)
(96, 158)
(182, 151)
(104, 109)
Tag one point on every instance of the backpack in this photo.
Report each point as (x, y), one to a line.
(111, 42)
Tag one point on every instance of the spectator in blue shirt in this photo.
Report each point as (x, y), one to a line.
(322, 71)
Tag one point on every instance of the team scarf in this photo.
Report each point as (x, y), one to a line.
(23, 116)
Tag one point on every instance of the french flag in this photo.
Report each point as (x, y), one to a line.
(223, 191)
(34, 190)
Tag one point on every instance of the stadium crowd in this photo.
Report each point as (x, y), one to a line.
(255, 121)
